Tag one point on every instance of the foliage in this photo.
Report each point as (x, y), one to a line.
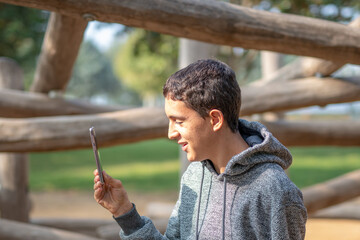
(92, 73)
(338, 10)
(333, 10)
(93, 76)
(21, 35)
(146, 60)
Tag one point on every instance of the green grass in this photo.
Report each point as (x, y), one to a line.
(317, 164)
(154, 166)
(144, 166)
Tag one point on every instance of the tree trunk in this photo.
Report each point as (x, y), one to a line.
(11, 230)
(255, 99)
(60, 48)
(270, 63)
(220, 23)
(298, 94)
(305, 67)
(63, 133)
(332, 192)
(14, 199)
(20, 104)
(82, 226)
(316, 133)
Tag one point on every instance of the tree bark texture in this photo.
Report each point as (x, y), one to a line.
(332, 192)
(255, 99)
(306, 66)
(19, 104)
(63, 133)
(59, 51)
(11, 230)
(220, 23)
(280, 96)
(14, 180)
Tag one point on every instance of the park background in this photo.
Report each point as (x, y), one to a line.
(111, 60)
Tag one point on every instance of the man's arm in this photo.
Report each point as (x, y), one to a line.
(289, 223)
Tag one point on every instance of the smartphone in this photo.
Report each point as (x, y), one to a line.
(96, 152)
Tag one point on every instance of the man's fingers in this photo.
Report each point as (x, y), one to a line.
(98, 191)
(96, 178)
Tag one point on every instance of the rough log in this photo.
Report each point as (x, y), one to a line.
(347, 210)
(220, 23)
(19, 104)
(62, 133)
(256, 99)
(305, 67)
(11, 230)
(298, 94)
(60, 48)
(332, 192)
(316, 133)
(82, 226)
(14, 167)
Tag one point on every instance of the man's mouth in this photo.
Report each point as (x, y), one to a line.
(183, 146)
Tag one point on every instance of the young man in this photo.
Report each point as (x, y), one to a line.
(235, 186)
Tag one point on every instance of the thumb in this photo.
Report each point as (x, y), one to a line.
(110, 181)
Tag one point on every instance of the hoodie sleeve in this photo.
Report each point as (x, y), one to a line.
(134, 226)
(289, 223)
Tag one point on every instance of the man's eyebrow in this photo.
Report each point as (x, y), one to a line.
(176, 117)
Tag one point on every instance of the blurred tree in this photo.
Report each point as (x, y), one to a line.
(146, 60)
(93, 76)
(21, 35)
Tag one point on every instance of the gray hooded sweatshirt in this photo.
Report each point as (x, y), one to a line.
(252, 199)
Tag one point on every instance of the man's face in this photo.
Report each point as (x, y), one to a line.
(189, 129)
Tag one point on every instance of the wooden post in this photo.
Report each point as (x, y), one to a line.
(59, 51)
(14, 200)
(270, 64)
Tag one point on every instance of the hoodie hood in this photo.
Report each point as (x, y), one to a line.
(263, 148)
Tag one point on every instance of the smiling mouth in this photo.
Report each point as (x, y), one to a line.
(184, 147)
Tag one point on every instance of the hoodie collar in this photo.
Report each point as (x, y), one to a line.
(263, 148)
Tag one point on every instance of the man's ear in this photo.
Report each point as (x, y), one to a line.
(216, 119)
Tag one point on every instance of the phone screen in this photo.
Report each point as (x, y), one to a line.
(96, 152)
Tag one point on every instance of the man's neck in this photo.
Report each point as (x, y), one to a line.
(229, 144)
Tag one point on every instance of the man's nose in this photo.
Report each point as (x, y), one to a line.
(172, 133)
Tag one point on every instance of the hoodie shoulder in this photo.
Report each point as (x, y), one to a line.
(263, 148)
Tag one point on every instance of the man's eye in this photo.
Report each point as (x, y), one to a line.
(178, 122)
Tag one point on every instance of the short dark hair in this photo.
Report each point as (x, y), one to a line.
(204, 85)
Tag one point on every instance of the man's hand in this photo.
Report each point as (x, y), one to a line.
(111, 195)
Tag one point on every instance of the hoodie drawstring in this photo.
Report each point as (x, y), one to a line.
(198, 213)
(224, 209)
(199, 203)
